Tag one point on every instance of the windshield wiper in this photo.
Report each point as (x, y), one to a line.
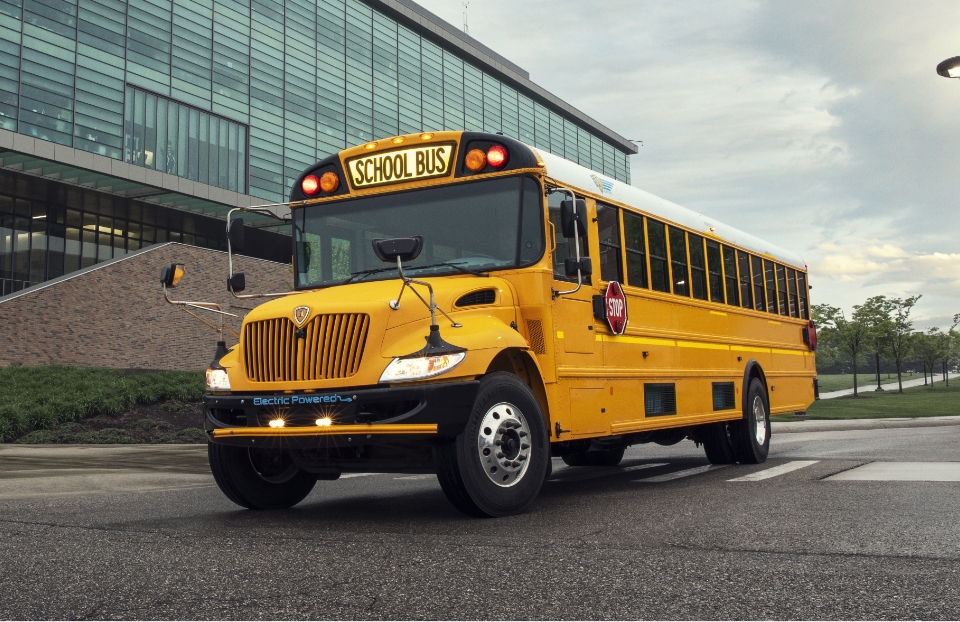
(355, 275)
(447, 264)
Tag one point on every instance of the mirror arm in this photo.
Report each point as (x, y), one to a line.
(576, 245)
(432, 305)
(212, 307)
(265, 210)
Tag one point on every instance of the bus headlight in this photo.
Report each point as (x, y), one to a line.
(401, 370)
(218, 380)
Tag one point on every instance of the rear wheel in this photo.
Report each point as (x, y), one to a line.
(716, 443)
(259, 479)
(750, 436)
(498, 464)
(599, 457)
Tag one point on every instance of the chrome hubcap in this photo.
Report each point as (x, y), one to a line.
(503, 444)
(759, 420)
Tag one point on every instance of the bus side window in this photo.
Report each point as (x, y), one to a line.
(759, 295)
(730, 268)
(564, 245)
(659, 276)
(803, 290)
(771, 286)
(782, 289)
(608, 232)
(746, 291)
(636, 250)
(698, 268)
(714, 272)
(792, 291)
(678, 261)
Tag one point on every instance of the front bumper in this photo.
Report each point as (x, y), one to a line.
(357, 415)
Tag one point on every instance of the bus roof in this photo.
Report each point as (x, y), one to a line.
(577, 176)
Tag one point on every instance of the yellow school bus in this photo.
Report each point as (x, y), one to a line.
(469, 306)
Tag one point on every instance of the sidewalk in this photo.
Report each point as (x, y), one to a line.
(868, 387)
(838, 425)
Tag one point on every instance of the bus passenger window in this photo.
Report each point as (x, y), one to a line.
(746, 291)
(782, 289)
(759, 296)
(564, 245)
(771, 286)
(698, 269)
(730, 268)
(678, 260)
(714, 272)
(608, 232)
(659, 277)
(636, 251)
(792, 290)
(803, 290)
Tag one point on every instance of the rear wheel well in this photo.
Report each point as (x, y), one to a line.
(522, 365)
(752, 371)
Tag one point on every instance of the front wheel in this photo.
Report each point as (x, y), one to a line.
(259, 479)
(498, 464)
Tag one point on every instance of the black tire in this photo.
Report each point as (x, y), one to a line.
(505, 402)
(716, 443)
(750, 436)
(259, 479)
(599, 457)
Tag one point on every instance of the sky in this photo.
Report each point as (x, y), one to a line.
(819, 126)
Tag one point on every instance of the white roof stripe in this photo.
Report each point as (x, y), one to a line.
(577, 176)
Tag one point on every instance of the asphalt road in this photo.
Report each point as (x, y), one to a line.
(142, 533)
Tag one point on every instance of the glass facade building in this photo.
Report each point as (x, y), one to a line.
(242, 95)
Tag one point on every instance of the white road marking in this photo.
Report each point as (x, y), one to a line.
(359, 475)
(416, 477)
(902, 472)
(774, 471)
(595, 474)
(680, 474)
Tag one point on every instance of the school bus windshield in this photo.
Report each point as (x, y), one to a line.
(493, 224)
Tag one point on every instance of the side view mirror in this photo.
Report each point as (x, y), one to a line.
(567, 216)
(235, 234)
(171, 275)
(236, 283)
(570, 266)
(404, 249)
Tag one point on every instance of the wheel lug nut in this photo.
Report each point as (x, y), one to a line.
(516, 463)
(498, 442)
(499, 454)
(522, 433)
(524, 446)
(521, 458)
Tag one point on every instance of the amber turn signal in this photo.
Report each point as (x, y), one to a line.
(329, 181)
(310, 185)
(476, 160)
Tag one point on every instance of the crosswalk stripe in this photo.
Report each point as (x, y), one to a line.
(416, 477)
(680, 474)
(359, 475)
(595, 474)
(774, 471)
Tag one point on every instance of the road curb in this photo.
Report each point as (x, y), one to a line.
(826, 425)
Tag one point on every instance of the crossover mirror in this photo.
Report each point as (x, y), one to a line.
(567, 218)
(171, 275)
(392, 249)
(235, 234)
(237, 282)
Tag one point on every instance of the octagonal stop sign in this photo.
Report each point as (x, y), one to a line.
(615, 306)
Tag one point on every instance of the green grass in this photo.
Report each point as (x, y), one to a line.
(866, 381)
(936, 401)
(40, 398)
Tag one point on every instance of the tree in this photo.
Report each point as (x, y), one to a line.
(849, 335)
(926, 346)
(875, 312)
(900, 339)
(823, 317)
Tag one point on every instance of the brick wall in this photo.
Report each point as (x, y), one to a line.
(113, 314)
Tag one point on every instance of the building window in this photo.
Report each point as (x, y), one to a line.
(174, 138)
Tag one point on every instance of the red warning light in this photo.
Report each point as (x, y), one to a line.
(496, 156)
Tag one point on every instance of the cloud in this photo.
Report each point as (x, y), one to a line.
(818, 125)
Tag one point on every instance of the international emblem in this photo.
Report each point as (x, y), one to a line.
(300, 315)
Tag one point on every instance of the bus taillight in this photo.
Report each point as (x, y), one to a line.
(310, 185)
(496, 156)
(810, 335)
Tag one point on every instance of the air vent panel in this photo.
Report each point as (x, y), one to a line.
(659, 399)
(479, 297)
(535, 330)
(724, 396)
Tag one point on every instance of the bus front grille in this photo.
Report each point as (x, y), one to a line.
(327, 347)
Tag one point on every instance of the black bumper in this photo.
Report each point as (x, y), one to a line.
(447, 405)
